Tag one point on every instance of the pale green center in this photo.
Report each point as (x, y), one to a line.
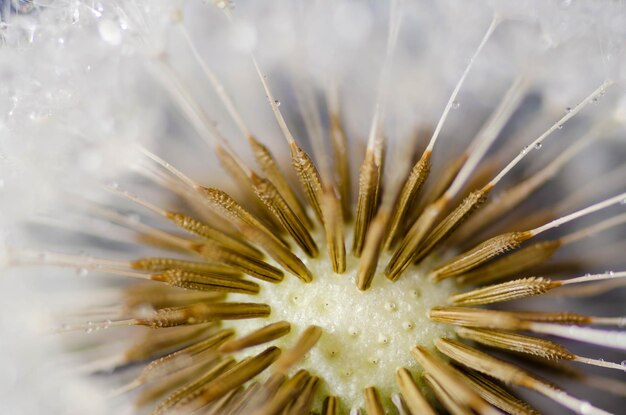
(367, 335)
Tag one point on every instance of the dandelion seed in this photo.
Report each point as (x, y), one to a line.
(250, 301)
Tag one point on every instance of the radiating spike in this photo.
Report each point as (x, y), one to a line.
(447, 378)
(253, 229)
(135, 297)
(163, 264)
(275, 203)
(512, 264)
(248, 395)
(226, 206)
(188, 391)
(443, 396)
(445, 179)
(233, 378)
(497, 395)
(480, 254)
(333, 225)
(270, 167)
(163, 238)
(201, 229)
(505, 320)
(155, 343)
(248, 265)
(451, 222)
(263, 335)
(280, 254)
(367, 203)
(530, 345)
(219, 406)
(373, 403)
(411, 188)
(503, 243)
(371, 250)
(309, 178)
(191, 225)
(511, 374)
(403, 257)
(178, 360)
(330, 406)
(304, 403)
(263, 156)
(306, 341)
(513, 196)
(303, 165)
(341, 158)
(203, 313)
(173, 382)
(199, 282)
(417, 404)
(520, 343)
(266, 392)
(506, 291)
(241, 174)
(286, 393)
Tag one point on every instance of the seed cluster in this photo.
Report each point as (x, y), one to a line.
(288, 300)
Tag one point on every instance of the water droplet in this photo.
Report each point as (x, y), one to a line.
(538, 146)
(455, 104)
(623, 202)
(277, 103)
(568, 109)
(524, 150)
(82, 272)
(594, 100)
(560, 126)
(110, 32)
(623, 363)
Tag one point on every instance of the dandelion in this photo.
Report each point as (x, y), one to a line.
(314, 274)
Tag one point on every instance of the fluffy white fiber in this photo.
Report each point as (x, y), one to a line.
(79, 88)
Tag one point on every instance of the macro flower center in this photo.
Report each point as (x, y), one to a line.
(367, 335)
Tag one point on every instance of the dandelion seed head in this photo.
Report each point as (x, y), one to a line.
(73, 119)
(359, 327)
